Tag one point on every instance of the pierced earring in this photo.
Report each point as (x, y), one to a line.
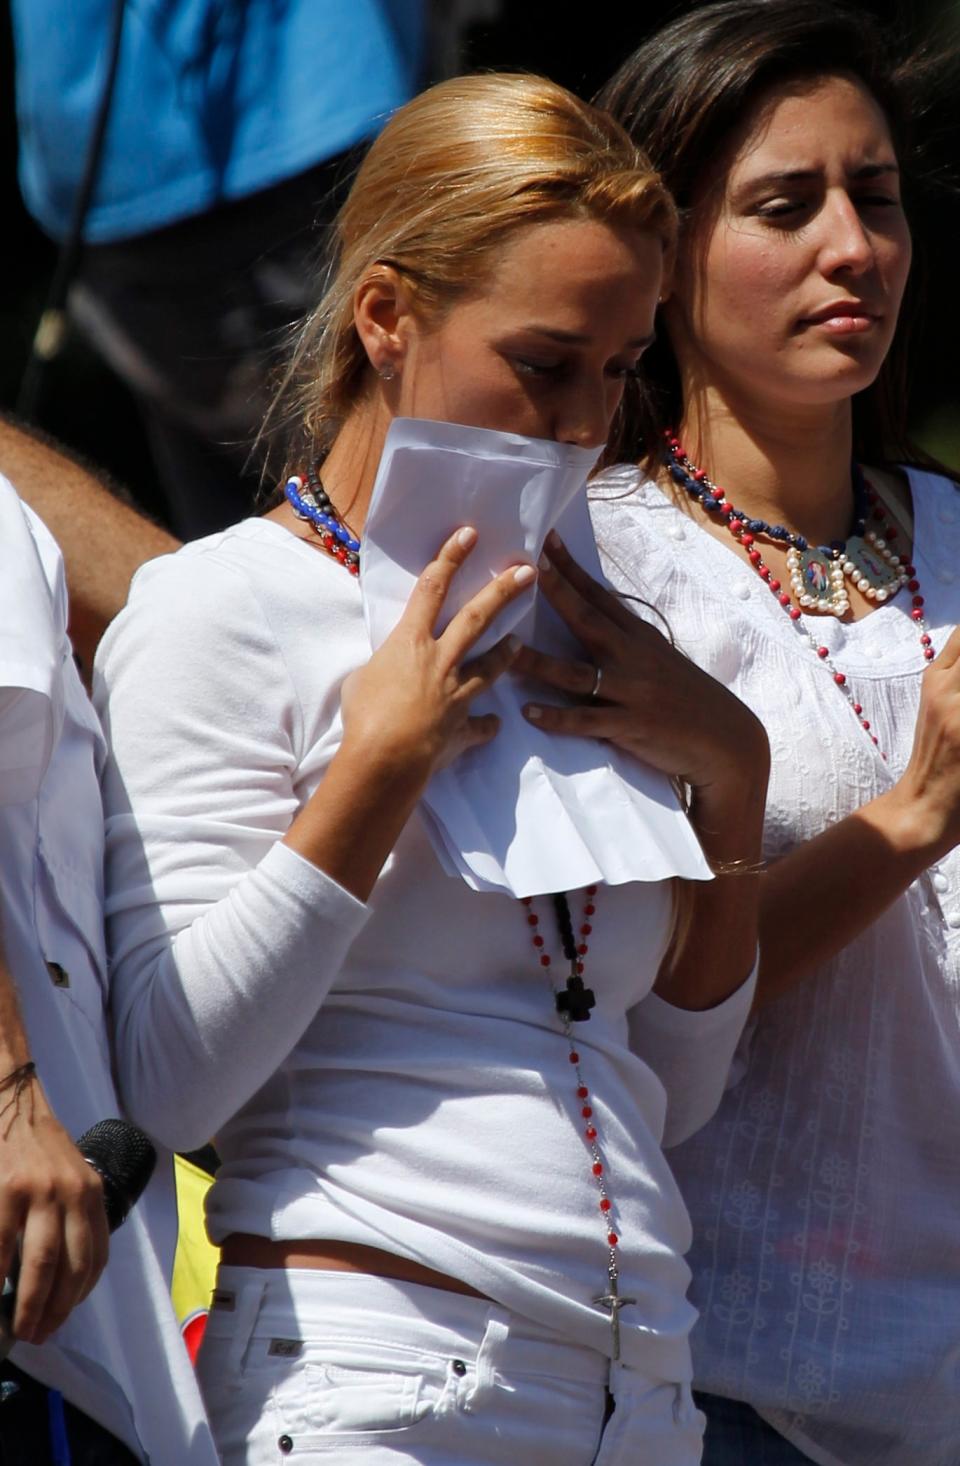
(387, 372)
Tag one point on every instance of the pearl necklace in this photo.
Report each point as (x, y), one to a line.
(818, 574)
(573, 1002)
(739, 526)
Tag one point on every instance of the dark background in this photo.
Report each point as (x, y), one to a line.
(576, 44)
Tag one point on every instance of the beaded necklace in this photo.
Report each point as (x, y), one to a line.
(311, 501)
(573, 1001)
(818, 574)
(843, 554)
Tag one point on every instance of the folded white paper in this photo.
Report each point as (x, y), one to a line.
(530, 812)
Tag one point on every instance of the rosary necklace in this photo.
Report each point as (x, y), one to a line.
(817, 576)
(818, 573)
(573, 1002)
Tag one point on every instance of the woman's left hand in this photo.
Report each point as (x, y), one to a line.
(650, 700)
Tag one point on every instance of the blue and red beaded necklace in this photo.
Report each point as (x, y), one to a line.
(310, 501)
(867, 558)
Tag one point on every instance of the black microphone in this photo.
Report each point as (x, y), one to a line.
(124, 1159)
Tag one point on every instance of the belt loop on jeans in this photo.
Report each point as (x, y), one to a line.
(247, 1311)
(495, 1335)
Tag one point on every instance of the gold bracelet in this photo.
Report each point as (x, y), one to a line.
(737, 867)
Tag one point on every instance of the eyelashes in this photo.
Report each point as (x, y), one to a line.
(800, 210)
(556, 370)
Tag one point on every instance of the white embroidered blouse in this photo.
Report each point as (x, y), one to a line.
(825, 1193)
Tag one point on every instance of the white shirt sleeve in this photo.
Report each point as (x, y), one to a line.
(33, 644)
(224, 941)
(691, 1052)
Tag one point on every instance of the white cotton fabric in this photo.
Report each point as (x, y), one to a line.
(118, 1357)
(391, 1074)
(825, 1193)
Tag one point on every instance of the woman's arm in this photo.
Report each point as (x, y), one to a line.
(821, 896)
(230, 908)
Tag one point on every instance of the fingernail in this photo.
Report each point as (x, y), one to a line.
(532, 712)
(513, 645)
(554, 540)
(544, 563)
(524, 575)
(466, 536)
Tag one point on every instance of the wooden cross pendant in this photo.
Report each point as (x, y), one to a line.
(613, 1303)
(576, 1001)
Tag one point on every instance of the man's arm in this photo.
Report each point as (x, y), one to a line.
(51, 1200)
(102, 538)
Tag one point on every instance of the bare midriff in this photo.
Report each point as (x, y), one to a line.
(243, 1249)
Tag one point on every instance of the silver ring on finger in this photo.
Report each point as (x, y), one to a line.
(595, 689)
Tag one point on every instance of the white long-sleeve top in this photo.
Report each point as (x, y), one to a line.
(825, 1192)
(393, 1074)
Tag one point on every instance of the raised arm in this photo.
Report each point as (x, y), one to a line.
(822, 895)
(103, 539)
(230, 896)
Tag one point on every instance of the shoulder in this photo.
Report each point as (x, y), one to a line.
(936, 514)
(248, 588)
(248, 628)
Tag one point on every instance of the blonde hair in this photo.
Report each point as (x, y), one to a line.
(452, 174)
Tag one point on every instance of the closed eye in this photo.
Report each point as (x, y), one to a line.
(528, 367)
(783, 208)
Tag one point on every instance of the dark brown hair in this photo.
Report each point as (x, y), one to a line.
(683, 96)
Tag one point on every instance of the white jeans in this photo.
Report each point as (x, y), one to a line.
(313, 1366)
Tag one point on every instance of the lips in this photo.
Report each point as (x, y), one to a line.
(843, 315)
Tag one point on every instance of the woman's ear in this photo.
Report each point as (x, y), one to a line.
(381, 314)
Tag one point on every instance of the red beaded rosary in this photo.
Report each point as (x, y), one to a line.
(739, 526)
(574, 1001)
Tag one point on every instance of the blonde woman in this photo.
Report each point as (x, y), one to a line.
(448, 1236)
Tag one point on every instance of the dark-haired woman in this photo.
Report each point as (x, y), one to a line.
(799, 554)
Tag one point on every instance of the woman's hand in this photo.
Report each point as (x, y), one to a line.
(406, 713)
(652, 701)
(657, 705)
(925, 804)
(409, 705)
(826, 892)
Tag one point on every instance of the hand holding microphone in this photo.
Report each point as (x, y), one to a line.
(58, 1202)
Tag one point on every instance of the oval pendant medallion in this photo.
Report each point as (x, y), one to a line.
(870, 564)
(817, 579)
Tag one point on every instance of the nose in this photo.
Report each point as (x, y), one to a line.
(586, 416)
(848, 244)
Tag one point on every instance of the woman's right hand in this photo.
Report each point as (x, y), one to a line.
(926, 798)
(823, 894)
(408, 709)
